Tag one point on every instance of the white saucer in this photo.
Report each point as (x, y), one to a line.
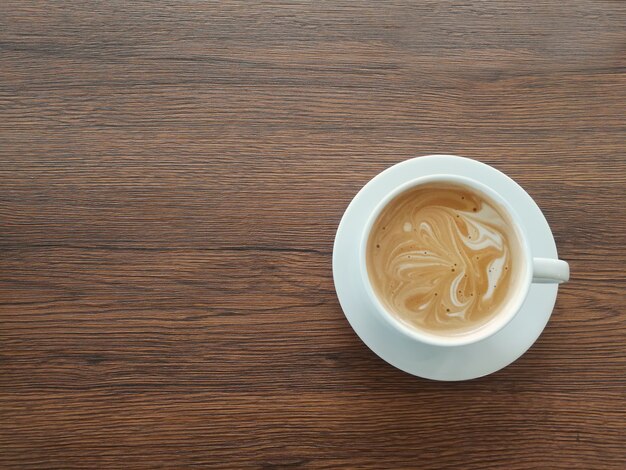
(436, 362)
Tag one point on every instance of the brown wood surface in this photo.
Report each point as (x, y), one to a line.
(171, 177)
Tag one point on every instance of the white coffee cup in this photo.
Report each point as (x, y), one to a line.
(532, 270)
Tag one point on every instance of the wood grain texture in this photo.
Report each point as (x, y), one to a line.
(171, 177)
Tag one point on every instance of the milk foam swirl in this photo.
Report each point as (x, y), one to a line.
(440, 258)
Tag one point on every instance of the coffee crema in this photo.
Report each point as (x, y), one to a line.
(443, 258)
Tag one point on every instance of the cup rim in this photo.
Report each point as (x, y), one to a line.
(502, 318)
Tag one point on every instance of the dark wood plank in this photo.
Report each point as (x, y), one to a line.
(171, 178)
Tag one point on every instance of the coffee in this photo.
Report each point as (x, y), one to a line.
(443, 258)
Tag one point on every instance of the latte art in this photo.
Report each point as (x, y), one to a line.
(442, 258)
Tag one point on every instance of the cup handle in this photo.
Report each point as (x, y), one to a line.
(550, 271)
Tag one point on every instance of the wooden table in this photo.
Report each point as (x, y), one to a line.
(171, 178)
